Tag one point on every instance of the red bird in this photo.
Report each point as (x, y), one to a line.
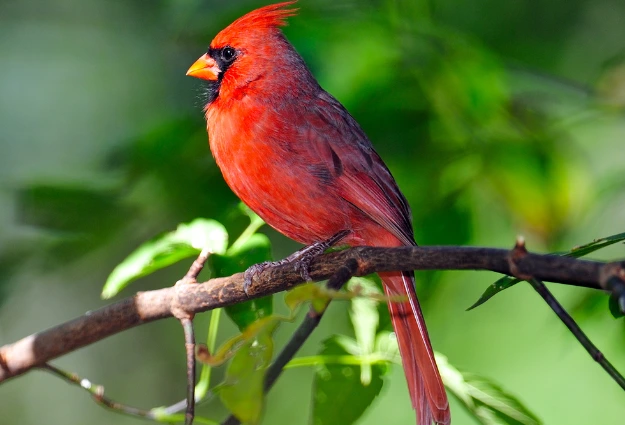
(297, 158)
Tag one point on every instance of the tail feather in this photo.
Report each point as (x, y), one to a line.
(424, 382)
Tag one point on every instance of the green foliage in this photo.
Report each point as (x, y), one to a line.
(242, 390)
(249, 249)
(256, 249)
(343, 392)
(487, 401)
(186, 241)
(349, 372)
(203, 383)
(339, 394)
(365, 319)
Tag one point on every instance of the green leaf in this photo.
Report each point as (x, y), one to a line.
(495, 288)
(579, 251)
(365, 318)
(339, 396)
(242, 390)
(187, 240)
(597, 244)
(245, 313)
(487, 401)
(229, 348)
(255, 249)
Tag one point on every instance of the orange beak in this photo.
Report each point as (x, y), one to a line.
(205, 68)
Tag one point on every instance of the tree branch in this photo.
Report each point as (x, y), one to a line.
(37, 349)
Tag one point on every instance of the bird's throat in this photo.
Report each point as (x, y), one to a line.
(212, 90)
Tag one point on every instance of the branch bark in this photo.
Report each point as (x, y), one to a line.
(37, 349)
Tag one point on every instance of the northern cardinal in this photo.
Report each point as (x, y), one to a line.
(297, 158)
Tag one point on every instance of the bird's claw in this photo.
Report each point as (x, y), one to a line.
(301, 260)
(255, 270)
(302, 266)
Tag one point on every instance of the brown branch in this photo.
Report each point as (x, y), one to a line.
(37, 349)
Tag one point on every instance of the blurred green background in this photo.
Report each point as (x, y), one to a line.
(496, 118)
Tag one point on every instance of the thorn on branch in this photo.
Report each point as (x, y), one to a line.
(518, 252)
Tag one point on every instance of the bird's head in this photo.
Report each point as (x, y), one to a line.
(246, 51)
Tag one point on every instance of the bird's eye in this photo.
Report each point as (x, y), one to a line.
(228, 54)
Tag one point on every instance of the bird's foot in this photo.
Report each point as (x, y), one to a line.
(257, 269)
(301, 260)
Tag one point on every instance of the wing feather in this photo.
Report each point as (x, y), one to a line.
(364, 181)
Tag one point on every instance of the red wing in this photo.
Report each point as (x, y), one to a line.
(362, 178)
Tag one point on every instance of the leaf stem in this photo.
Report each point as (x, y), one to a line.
(204, 382)
(255, 224)
(352, 360)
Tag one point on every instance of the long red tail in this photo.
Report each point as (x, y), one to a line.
(424, 382)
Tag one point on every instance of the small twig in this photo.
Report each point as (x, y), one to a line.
(568, 321)
(159, 414)
(176, 407)
(305, 329)
(189, 343)
(197, 265)
(202, 392)
(97, 393)
(517, 254)
(186, 320)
